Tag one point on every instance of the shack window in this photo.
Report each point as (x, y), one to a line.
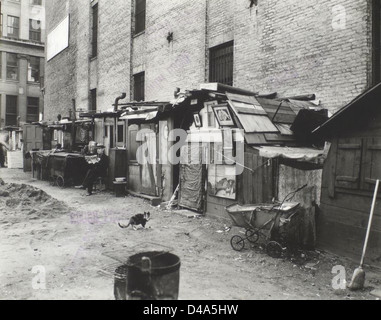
(348, 163)
(140, 16)
(221, 64)
(120, 133)
(371, 163)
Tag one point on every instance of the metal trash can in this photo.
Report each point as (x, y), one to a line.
(120, 188)
(148, 276)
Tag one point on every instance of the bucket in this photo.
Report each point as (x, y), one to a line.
(120, 189)
(149, 276)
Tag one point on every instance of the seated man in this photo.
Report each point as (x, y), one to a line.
(98, 169)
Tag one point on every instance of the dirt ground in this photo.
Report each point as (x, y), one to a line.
(78, 242)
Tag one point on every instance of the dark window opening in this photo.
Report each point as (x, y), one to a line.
(11, 111)
(140, 16)
(12, 67)
(221, 64)
(35, 30)
(120, 133)
(93, 100)
(34, 69)
(95, 32)
(139, 83)
(376, 42)
(13, 27)
(33, 110)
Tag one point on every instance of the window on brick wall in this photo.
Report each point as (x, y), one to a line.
(35, 30)
(93, 100)
(376, 42)
(13, 27)
(1, 25)
(140, 16)
(11, 111)
(221, 64)
(12, 67)
(95, 31)
(139, 83)
(34, 69)
(33, 110)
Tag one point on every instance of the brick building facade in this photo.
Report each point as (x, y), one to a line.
(291, 47)
(21, 61)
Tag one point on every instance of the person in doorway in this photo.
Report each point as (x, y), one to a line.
(97, 169)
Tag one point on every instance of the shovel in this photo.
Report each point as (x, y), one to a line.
(358, 279)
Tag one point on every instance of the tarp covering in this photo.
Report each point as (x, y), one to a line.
(298, 154)
(192, 181)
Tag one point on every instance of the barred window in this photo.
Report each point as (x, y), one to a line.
(221, 64)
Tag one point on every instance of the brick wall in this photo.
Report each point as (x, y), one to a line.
(286, 46)
(60, 72)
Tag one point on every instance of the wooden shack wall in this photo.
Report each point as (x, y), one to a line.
(257, 185)
(344, 212)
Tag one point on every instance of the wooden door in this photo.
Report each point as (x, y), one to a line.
(148, 168)
(33, 139)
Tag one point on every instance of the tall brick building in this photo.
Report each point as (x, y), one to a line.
(21, 61)
(147, 48)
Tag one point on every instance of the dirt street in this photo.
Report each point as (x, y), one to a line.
(78, 242)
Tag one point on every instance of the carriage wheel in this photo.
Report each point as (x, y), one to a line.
(274, 249)
(237, 243)
(252, 236)
(60, 181)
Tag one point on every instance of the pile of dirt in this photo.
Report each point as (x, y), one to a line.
(20, 202)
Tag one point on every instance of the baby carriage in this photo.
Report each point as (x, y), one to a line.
(277, 223)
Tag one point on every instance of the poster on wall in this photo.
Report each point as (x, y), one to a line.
(222, 181)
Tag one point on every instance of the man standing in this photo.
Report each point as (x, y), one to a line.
(98, 169)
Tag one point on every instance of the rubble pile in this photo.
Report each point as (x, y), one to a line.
(19, 201)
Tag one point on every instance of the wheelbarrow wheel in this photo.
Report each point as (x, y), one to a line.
(274, 249)
(237, 243)
(60, 181)
(252, 236)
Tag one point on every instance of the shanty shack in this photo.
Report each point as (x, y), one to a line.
(279, 155)
(350, 173)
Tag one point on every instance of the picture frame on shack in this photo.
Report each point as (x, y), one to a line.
(223, 115)
(197, 120)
